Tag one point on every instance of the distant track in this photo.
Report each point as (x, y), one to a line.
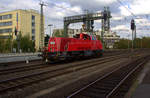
(106, 53)
(39, 65)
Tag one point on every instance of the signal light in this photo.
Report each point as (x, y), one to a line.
(132, 24)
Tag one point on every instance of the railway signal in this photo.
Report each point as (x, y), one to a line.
(132, 24)
(133, 28)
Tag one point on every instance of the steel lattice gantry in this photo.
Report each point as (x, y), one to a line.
(88, 20)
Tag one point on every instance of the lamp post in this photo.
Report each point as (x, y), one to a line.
(50, 25)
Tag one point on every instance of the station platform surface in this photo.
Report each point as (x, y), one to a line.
(143, 88)
(13, 57)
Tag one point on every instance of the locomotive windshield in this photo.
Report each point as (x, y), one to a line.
(76, 36)
(82, 36)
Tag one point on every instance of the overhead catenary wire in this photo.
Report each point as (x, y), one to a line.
(133, 15)
(126, 8)
(62, 7)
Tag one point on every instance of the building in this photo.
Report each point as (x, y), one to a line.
(71, 32)
(110, 38)
(27, 22)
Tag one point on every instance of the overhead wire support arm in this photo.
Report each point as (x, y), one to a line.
(87, 19)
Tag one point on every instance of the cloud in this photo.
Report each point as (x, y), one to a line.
(120, 27)
(18, 4)
(57, 9)
(140, 6)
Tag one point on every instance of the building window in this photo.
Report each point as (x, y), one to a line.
(6, 30)
(9, 16)
(5, 23)
(33, 31)
(33, 17)
(33, 27)
(33, 37)
(4, 37)
(33, 24)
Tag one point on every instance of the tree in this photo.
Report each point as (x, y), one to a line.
(138, 43)
(5, 45)
(8, 45)
(26, 45)
(123, 44)
(145, 42)
(2, 45)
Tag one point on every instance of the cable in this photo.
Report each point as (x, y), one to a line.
(126, 8)
(130, 11)
(53, 4)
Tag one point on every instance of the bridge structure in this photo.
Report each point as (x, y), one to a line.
(88, 21)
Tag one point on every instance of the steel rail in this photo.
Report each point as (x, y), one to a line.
(37, 66)
(51, 74)
(130, 71)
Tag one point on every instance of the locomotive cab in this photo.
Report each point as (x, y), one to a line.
(82, 36)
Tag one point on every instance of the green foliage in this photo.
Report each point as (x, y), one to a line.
(123, 44)
(26, 45)
(2, 46)
(145, 43)
(5, 45)
(138, 43)
(8, 45)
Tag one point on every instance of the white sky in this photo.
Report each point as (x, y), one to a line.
(120, 22)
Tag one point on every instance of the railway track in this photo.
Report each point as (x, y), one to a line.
(22, 68)
(13, 83)
(40, 65)
(114, 84)
(106, 53)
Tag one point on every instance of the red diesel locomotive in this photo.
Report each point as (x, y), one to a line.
(61, 48)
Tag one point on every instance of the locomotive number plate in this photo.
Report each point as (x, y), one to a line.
(52, 42)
